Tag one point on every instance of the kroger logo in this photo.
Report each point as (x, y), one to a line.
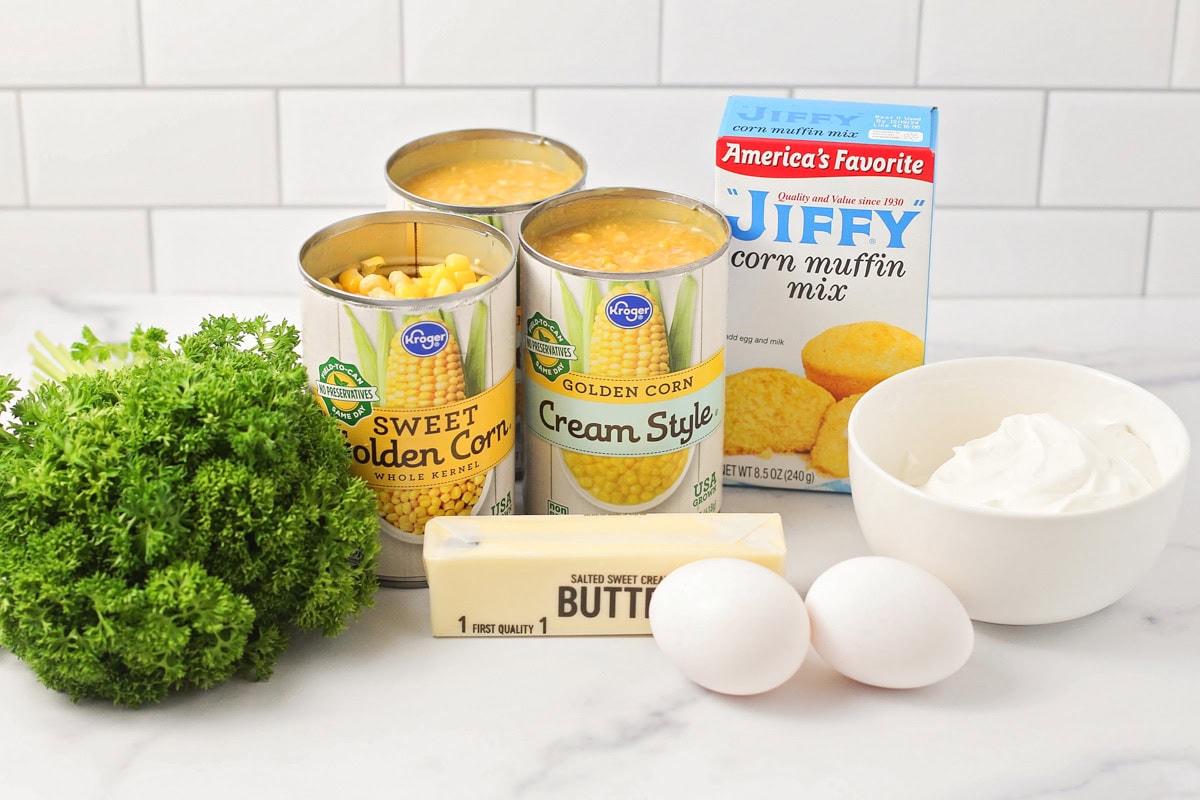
(629, 310)
(425, 338)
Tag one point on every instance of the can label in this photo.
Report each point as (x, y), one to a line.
(427, 402)
(624, 389)
(428, 447)
(427, 415)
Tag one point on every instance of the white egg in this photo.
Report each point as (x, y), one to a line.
(885, 622)
(730, 625)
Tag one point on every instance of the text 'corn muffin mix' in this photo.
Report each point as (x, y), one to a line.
(830, 207)
(623, 309)
(409, 340)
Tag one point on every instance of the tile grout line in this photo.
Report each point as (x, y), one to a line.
(22, 150)
(1150, 214)
(1041, 164)
(1174, 46)
(658, 78)
(364, 204)
(150, 252)
(709, 86)
(141, 25)
(917, 53)
(278, 120)
(400, 33)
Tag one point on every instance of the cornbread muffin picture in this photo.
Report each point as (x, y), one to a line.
(849, 359)
(831, 452)
(770, 410)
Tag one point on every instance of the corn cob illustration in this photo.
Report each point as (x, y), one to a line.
(426, 382)
(620, 352)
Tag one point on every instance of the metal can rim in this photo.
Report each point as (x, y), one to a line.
(585, 195)
(468, 134)
(401, 217)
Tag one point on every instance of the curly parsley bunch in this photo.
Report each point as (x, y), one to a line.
(166, 520)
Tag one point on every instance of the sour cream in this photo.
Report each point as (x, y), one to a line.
(1039, 463)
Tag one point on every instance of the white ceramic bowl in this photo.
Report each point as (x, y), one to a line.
(1009, 567)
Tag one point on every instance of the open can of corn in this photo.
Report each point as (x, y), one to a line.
(491, 174)
(408, 323)
(623, 299)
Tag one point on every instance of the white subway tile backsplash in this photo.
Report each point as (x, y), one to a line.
(654, 138)
(249, 251)
(989, 142)
(1185, 68)
(1174, 267)
(530, 42)
(1067, 43)
(191, 146)
(69, 43)
(1034, 253)
(815, 42)
(335, 143)
(271, 42)
(150, 147)
(12, 184)
(90, 251)
(1122, 149)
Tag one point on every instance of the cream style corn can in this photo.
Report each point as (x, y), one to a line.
(623, 331)
(491, 174)
(408, 336)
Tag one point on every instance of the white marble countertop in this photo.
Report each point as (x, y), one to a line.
(1103, 707)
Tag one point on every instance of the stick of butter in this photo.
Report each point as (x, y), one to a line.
(575, 575)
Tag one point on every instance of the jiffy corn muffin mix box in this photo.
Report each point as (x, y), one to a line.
(830, 204)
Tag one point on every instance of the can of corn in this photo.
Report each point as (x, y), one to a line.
(623, 297)
(491, 174)
(408, 336)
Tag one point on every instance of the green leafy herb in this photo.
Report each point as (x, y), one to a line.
(165, 524)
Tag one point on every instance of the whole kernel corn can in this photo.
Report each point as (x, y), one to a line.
(623, 326)
(408, 336)
(491, 174)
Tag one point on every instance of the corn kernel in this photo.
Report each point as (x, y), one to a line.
(452, 275)
(369, 266)
(374, 281)
(350, 279)
(457, 261)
